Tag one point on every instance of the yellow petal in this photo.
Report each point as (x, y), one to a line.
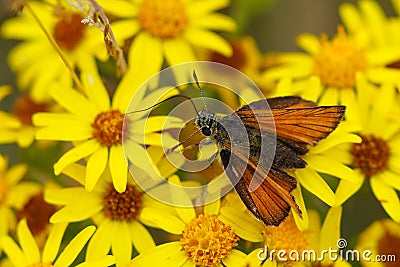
(199, 9)
(124, 29)
(74, 211)
(71, 251)
(26, 136)
(102, 261)
(15, 174)
(177, 51)
(347, 189)
(142, 239)
(76, 172)
(235, 259)
(96, 165)
(138, 156)
(118, 168)
(168, 254)
(333, 140)
(120, 8)
(330, 230)
(215, 21)
(75, 102)
(302, 223)
(309, 43)
(9, 121)
(330, 166)
(181, 201)
(390, 178)
(95, 90)
(64, 133)
(213, 207)
(209, 40)
(76, 154)
(163, 220)
(100, 242)
(388, 198)
(350, 17)
(14, 253)
(145, 55)
(314, 183)
(27, 242)
(121, 243)
(53, 242)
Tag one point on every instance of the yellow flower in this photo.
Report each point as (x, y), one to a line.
(168, 29)
(326, 73)
(36, 62)
(380, 243)
(205, 239)
(118, 215)
(17, 127)
(245, 57)
(308, 243)
(13, 193)
(96, 127)
(29, 253)
(369, 22)
(376, 158)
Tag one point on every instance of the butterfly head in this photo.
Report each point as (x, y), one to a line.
(206, 122)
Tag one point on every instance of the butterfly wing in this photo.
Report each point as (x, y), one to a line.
(296, 121)
(271, 201)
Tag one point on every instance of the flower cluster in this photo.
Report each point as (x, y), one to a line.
(93, 172)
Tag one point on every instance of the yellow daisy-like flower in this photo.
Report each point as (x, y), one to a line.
(17, 127)
(168, 29)
(246, 57)
(380, 242)
(205, 240)
(118, 215)
(13, 193)
(369, 21)
(308, 243)
(376, 158)
(96, 127)
(326, 73)
(29, 254)
(36, 62)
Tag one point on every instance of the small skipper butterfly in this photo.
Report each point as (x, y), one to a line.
(295, 123)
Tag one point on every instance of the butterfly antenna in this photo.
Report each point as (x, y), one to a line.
(201, 90)
(165, 100)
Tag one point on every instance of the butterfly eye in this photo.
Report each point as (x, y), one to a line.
(206, 131)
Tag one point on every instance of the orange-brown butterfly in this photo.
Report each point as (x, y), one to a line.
(297, 123)
(292, 122)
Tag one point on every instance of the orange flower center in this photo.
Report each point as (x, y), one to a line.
(69, 30)
(371, 155)
(207, 240)
(286, 237)
(108, 127)
(122, 206)
(338, 61)
(25, 108)
(163, 18)
(37, 213)
(389, 245)
(40, 265)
